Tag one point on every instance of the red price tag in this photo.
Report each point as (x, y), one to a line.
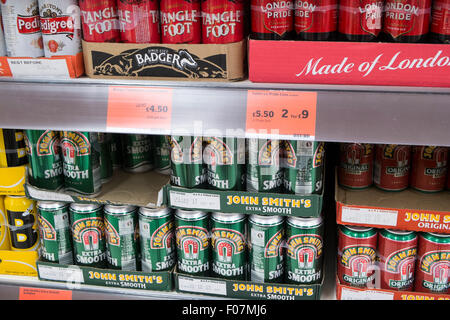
(139, 108)
(291, 113)
(26, 293)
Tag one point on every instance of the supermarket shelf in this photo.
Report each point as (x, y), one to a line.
(371, 114)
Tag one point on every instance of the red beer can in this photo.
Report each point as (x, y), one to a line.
(391, 167)
(100, 20)
(433, 263)
(315, 19)
(440, 21)
(139, 21)
(448, 179)
(407, 20)
(397, 251)
(223, 21)
(355, 169)
(181, 21)
(429, 168)
(356, 255)
(22, 28)
(360, 20)
(272, 19)
(61, 27)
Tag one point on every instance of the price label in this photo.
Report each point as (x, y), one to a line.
(27, 293)
(283, 113)
(140, 108)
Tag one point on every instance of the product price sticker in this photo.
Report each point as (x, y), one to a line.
(139, 109)
(281, 114)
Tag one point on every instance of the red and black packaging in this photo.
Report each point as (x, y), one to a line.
(360, 20)
(272, 19)
(406, 20)
(100, 21)
(315, 20)
(139, 21)
(180, 21)
(440, 21)
(222, 21)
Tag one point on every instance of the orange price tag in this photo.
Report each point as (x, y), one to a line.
(281, 112)
(139, 108)
(26, 293)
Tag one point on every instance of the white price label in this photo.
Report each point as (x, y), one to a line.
(48, 195)
(197, 200)
(349, 294)
(370, 216)
(28, 67)
(202, 286)
(72, 274)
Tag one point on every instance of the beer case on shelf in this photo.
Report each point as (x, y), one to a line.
(206, 62)
(76, 275)
(55, 67)
(349, 63)
(245, 289)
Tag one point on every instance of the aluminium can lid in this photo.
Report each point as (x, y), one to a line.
(227, 217)
(49, 205)
(155, 212)
(266, 220)
(119, 209)
(84, 207)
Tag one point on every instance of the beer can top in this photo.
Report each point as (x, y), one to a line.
(437, 237)
(302, 222)
(398, 235)
(51, 205)
(358, 232)
(119, 209)
(190, 214)
(398, 232)
(155, 212)
(84, 207)
(227, 217)
(266, 220)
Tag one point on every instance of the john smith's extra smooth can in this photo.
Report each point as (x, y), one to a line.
(397, 252)
(264, 171)
(192, 240)
(161, 153)
(186, 155)
(81, 162)
(5, 243)
(429, 168)
(156, 234)
(88, 234)
(355, 169)
(266, 256)
(12, 148)
(23, 223)
(304, 256)
(228, 245)
(391, 167)
(121, 236)
(225, 162)
(54, 228)
(304, 166)
(356, 255)
(137, 152)
(433, 263)
(45, 169)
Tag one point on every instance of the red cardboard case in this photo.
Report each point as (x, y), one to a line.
(350, 63)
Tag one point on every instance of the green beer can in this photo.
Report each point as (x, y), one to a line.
(121, 236)
(304, 255)
(186, 159)
(225, 162)
(264, 171)
(228, 245)
(88, 234)
(81, 162)
(54, 230)
(106, 165)
(45, 168)
(137, 152)
(266, 241)
(161, 154)
(192, 241)
(303, 166)
(156, 233)
(116, 151)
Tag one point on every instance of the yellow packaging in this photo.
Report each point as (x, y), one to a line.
(12, 180)
(19, 263)
(23, 223)
(4, 230)
(12, 148)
